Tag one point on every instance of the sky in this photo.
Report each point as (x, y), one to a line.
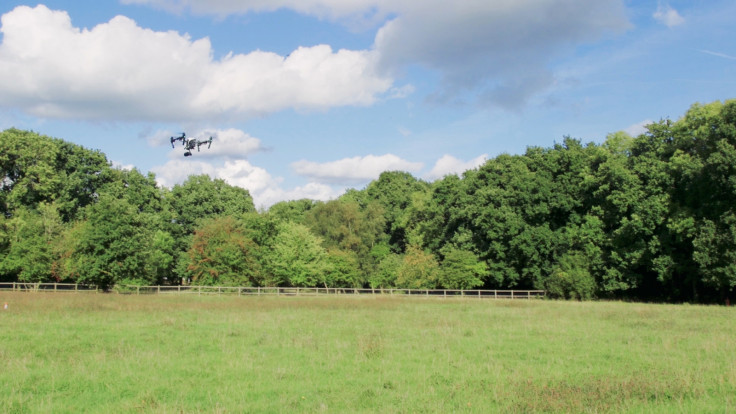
(307, 98)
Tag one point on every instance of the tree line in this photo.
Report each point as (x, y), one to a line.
(651, 217)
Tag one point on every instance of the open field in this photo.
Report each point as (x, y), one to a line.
(183, 353)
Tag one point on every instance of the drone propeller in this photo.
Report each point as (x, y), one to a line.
(181, 138)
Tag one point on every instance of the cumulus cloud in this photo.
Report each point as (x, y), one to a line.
(265, 189)
(668, 16)
(450, 165)
(501, 49)
(226, 143)
(353, 170)
(50, 68)
(498, 51)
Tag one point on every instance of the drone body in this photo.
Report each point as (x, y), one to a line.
(190, 143)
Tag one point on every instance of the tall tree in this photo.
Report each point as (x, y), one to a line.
(222, 254)
(297, 258)
(393, 191)
(113, 245)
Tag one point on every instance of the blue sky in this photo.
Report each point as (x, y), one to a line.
(306, 98)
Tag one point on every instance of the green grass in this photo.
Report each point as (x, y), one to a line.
(169, 354)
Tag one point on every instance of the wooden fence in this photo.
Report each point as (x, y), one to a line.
(278, 291)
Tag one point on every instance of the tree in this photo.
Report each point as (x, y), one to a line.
(222, 254)
(418, 270)
(571, 278)
(111, 245)
(344, 225)
(343, 269)
(461, 269)
(293, 210)
(393, 192)
(27, 170)
(36, 169)
(386, 272)
(297, 258)
(33, 235)
(201, 197)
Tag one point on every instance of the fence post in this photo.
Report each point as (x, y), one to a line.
(137, 290)
(512, 294)
(76, 287)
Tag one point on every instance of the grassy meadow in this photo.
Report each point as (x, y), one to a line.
(80, 353)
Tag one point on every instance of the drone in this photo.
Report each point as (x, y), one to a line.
(190, 143)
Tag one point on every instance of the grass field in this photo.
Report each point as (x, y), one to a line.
(169, 354)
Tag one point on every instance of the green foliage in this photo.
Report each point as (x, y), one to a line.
(293, 210)
(297, 258)
(112, 244)
(461, 269)
(222, 254)
(649, 217)
(571, 278)
(343, 269)
(32, 236)
(393, 191)
(344, 225)
(36, 169)
(418, 270)
(386, 272)
(201, 197)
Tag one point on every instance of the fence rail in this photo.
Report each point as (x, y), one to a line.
(277, 291)
(47, 287)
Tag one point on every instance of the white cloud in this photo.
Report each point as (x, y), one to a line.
(119, 165)
(450, 165)
(312, 191)
(498, 50)
(639, 128)
(668, 16)
(238, 173)
(176, 171)
(50, 68)
(227, 143)
(353, 170)
(309, 78)
(265, 189)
